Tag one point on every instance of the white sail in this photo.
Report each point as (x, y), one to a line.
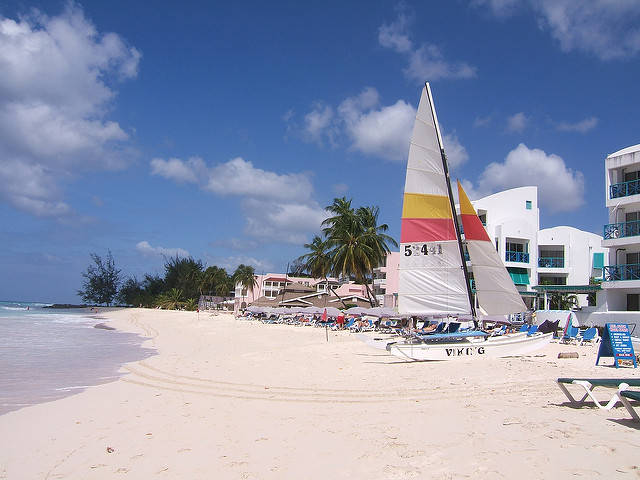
(431, 276)
(496, 292)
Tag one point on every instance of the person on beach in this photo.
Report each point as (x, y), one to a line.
(340, 320)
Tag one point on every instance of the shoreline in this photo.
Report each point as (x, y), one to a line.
(240, 399)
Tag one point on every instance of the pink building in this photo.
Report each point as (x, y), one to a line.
(385, 281)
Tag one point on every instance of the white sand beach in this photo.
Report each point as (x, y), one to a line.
(234, 399)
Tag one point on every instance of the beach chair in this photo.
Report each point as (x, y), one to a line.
(625, 397)
(590, 335)
(570, 335)
(532, 330)
(589, 384)
(524, 328)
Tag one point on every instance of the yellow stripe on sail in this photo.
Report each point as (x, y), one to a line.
(466, 208)
(417, 205)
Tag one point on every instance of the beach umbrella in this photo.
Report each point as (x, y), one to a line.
(332, 311)
(355, 310)
(311, 310)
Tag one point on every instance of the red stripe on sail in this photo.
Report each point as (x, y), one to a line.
(473, 228)
(427, 230)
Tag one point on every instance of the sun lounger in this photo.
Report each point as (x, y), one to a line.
(625, 397)
(588, 384)
(590, 335)
(570, 335)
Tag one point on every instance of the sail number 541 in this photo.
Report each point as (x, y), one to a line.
(424, 249)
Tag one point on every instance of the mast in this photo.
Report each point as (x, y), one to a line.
(456, 223)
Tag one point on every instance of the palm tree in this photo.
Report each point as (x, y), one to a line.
(318, 261)
(171, 300)
(215, 279)
(357, 243)
(245, 275)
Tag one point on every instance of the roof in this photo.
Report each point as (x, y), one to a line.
(276, 279)
(568, 288)
(625, 151)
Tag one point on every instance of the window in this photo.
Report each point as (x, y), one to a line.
(598, 260)
(528, 205)
(516, 247)
(631, 176)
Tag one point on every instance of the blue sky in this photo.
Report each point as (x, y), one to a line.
(221, 130)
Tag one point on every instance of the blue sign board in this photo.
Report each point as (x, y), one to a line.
(616, 343)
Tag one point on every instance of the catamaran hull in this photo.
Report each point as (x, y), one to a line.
(492, 347)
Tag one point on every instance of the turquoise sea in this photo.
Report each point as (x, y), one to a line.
(46, 353)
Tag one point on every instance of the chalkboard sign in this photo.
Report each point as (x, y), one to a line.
(616, 343)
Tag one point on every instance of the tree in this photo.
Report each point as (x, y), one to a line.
(183, 274)
(317, 262)
(245, 275)
(171, 300)
(131, 292)
(215, 280)
(357, 243)
(101, 281)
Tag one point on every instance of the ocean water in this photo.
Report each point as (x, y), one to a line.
(46, 354)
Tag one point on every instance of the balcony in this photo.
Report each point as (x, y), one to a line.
(622, 229)
(621, 272)
(519, 257)
(551, 262)
(624, 189)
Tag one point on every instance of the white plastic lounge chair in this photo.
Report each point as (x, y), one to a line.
(588, 384)
(625, 398)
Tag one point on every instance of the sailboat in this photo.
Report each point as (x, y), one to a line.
(434, 279)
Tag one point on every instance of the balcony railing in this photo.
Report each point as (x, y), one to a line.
(516, 257)
(621, 272)
(624, 189)
(551, 262)
(622, 229)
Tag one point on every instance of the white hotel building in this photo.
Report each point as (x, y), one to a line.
(619, 300)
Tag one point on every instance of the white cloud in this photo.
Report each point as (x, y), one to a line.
(283, 222)
(424, 62)
(178, 170)
(517, 123)
(146, 250)
(384, 132)
(319, 124)
(582, 127)
(276, 207)
(607, 29)
(428, 63)
(560, 189)
(53, 106)
(240, 177)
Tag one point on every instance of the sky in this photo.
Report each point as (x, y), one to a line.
(221, 130)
